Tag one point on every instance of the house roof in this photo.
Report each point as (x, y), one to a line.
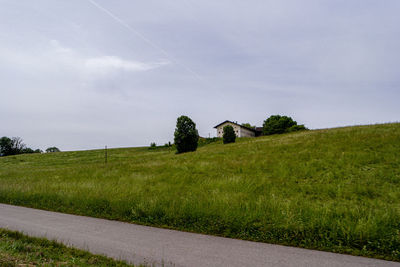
(251, 129)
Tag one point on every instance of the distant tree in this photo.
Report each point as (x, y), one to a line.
(28, 150)
(52, 149)
(168, 144)
(248, 125)
(5, 146)
(18, 145)
(153, 145)
(186, 136)
(229, 135)
(11, 146)
(277, 124)
(14, 146)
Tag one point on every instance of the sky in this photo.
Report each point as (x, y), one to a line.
(82, 74)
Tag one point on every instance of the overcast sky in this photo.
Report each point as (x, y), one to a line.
(81, 74)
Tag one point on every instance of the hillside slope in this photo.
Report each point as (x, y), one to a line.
(335, 189)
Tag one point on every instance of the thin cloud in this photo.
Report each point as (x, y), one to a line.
(101, 65)
(106, 64)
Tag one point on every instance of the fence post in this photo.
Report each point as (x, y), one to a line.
(105, 155)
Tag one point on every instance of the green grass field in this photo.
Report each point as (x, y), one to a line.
(19, 250)
(335, 189)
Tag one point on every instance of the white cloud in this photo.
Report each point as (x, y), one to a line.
(106, 64)
(99, 65)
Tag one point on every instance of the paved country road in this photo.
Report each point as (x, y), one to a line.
(160, 247)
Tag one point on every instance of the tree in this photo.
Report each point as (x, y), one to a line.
(14, 146)
(5, 146)
(18, 146)
(277, 124)
(186, 136)
(248, 125)
(153, 145)
(229, 135)
(11, 146)
(52, 149)
(27, 150)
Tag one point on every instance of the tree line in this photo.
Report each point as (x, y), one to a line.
(15, 145)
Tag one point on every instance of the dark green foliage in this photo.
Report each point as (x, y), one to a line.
(28, 150)
(277, 124)
(186, 135)
(296, 128)
(248, 125)
(14, 146)
(153, 145)
(6, 146)
(229, 135)
(52, 149)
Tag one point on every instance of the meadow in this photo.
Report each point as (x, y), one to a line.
(333, 189)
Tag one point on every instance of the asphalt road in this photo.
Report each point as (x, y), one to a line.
(160, 247)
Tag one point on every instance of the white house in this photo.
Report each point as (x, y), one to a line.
(240, 130)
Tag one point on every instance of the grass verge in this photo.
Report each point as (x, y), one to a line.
(335, 190)
(17, 249)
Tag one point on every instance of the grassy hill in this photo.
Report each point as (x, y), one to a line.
(335, 189)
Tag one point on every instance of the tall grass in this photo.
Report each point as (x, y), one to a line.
(335, 190)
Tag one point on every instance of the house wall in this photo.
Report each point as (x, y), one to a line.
(246, 133)
(239, 131)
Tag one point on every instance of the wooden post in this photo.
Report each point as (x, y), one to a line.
(105, 155)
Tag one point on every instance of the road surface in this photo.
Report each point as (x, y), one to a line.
(139, 244)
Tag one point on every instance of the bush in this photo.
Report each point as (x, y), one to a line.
(295, 128)
(186, 136)
(153, 145)
(278, 124)
(52, 149)
(168, 144)
(229, 135)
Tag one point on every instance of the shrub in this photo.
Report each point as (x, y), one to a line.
(229, 135)
(186, 136)
(153, 145)
(52, 149)
(278, 124)
(295, 128)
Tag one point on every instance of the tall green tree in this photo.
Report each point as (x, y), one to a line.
(186, 136)
(229, 135)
